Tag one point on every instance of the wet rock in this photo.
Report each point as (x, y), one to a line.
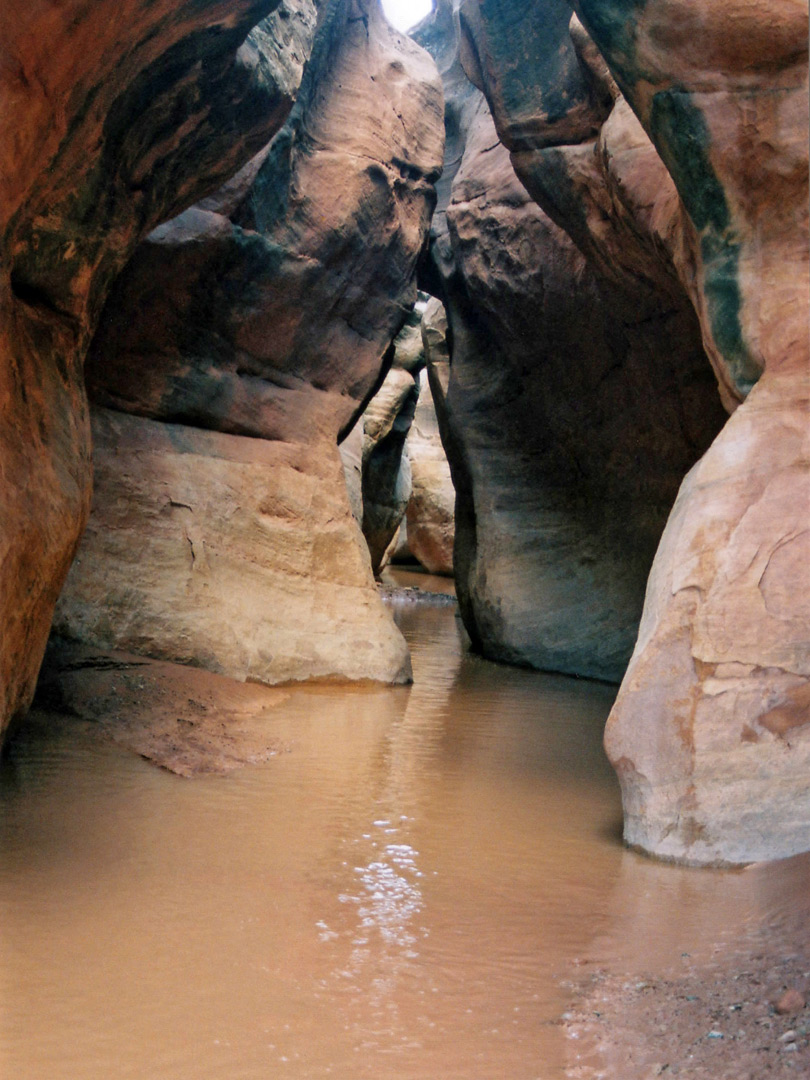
(188, 721)
(242, 342)
(115, 117)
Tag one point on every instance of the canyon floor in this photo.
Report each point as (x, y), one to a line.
(735, 1013)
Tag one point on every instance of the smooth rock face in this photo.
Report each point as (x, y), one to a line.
(710, 734)
(568, 426)
(386, 470)
(708, 731)
(204, 540)
(430, 514)
(267, 311)
(114, 117)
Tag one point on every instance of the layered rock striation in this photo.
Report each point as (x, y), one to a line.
(114, 118)
(687, 163)
(242, 340)
(579, 393)
(711, 730)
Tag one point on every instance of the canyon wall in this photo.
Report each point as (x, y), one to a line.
(115, 117)
(386, 469)
(242, 340)
(683, 163)
(577, 400)
(431, 510)
(711, 731)
(396, 468)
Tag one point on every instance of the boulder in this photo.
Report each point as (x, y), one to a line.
(235, 554)
(248, 334)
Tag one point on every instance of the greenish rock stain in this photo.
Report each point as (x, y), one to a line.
(679, 131)
(528, 44)
(612, 25)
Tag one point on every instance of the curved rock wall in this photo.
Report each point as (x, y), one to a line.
(115, 116)
(242, 340)
(704, 184)
(386, 470)
(431, 511)
(711, 730)
(568, 426)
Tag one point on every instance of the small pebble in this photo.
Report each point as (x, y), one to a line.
(790, 1046)
(715, 1035)
(789, 1036)
(790, 1002)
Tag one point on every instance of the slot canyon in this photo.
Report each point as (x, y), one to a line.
(404, 540)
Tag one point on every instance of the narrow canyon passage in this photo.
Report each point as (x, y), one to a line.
(402, 892)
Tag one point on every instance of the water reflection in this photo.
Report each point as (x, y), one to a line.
(393, 898)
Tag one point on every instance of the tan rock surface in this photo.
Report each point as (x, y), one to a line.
(94, 156)
(721, 94)
(386, 422)
(233, 554)
(430, 514)
(709, 731)
(267, 312)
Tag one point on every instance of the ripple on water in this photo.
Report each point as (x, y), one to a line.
(394, 896)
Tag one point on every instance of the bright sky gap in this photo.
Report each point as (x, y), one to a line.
(403, 14)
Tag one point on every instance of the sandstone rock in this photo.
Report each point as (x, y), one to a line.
(710, 733)
(707, 731)
(351, 454)
(430, 513)
(203, 541)
(115, 117)
(568, 427)
(790, 1003)
(267, 312)
(386, 423)
(722, 92)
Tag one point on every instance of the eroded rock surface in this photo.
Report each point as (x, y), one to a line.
(703, 183)
(576, 402)
(386, 469)
(720, 681)
(242, 341)
(430, 513)
(115, 117)
(408, 495)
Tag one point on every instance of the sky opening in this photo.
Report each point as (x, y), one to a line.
(403, 14)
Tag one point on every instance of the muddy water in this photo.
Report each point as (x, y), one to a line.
(397, 894)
